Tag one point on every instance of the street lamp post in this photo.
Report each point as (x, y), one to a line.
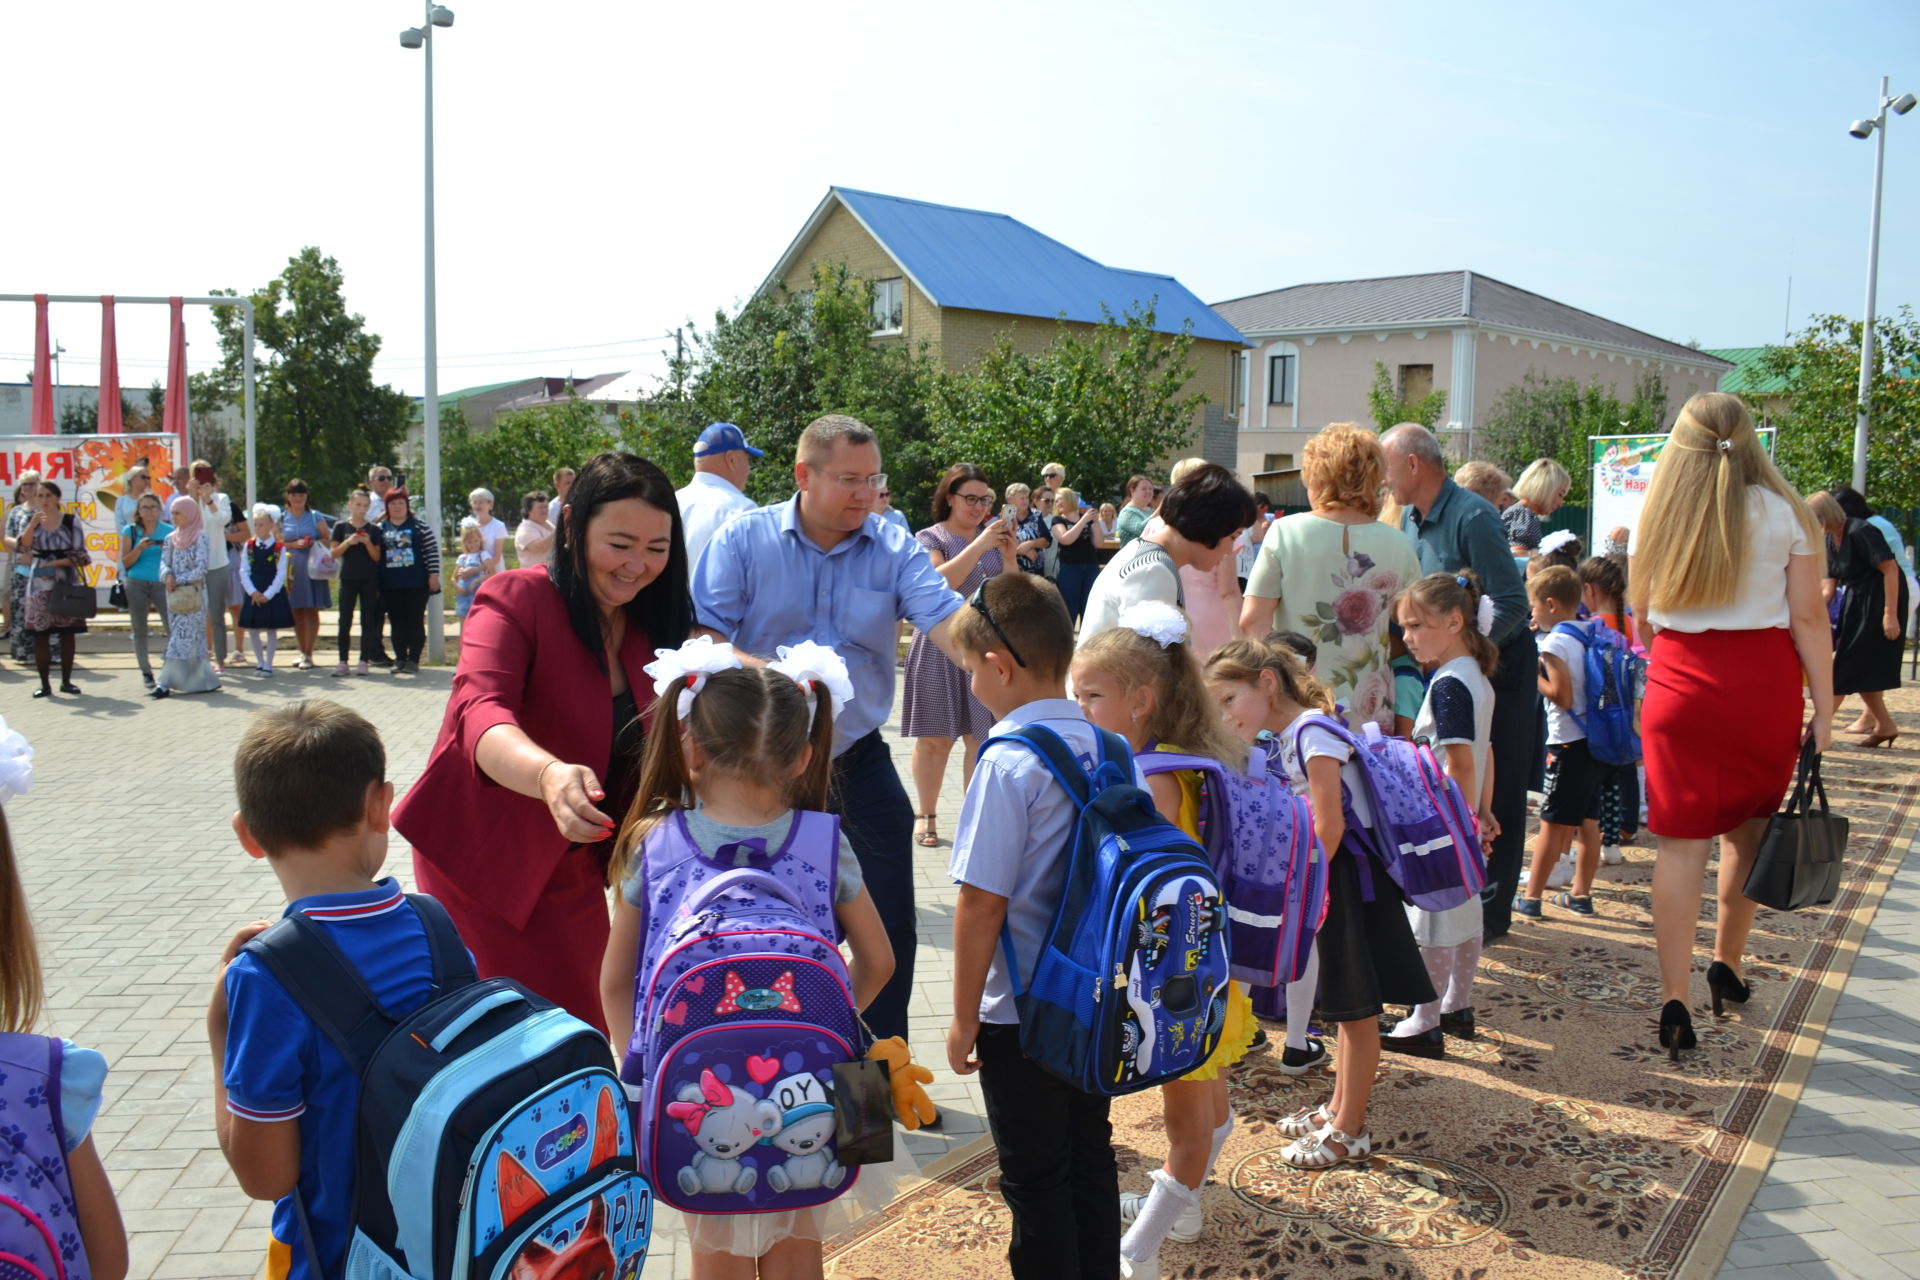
(421, 37)
(1875, 128)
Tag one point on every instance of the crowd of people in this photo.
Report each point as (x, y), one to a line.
(686, 679)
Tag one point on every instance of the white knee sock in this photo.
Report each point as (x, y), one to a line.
(1300, 1001)
(1462, 965)
(1165, 1203)
(1220, 1137)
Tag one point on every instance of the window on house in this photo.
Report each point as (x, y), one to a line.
(1236, 370)
(1280, 379)
(1279, 461)
(889, 305)
(1416, 382)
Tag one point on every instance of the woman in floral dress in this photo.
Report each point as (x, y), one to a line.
(57, 545)
(20, 572)
(1331, 573)
(184, 563)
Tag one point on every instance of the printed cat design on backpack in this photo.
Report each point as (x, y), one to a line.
(742, 1007)
(586, 1254)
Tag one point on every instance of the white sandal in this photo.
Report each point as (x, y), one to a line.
(1312, 1151)
(1305, 1121)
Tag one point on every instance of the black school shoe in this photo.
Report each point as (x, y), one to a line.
(1425, 1044)
(1459, 1024)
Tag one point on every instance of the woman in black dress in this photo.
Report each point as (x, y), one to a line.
(1873, 613)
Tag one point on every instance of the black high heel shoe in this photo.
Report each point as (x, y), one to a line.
(1676, 1029)
(1725, 986)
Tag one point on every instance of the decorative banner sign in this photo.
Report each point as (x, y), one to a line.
(91, 471)
(1622, 470)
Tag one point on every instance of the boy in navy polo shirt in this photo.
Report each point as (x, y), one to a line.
(314, 803)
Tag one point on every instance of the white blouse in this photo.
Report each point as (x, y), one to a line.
(1774, 533)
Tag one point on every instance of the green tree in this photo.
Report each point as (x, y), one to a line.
(1390, 407)
(1547, 417)
(782, 360)
(1105, 405)
(519, 455)
(1822, 369)
(319, 413)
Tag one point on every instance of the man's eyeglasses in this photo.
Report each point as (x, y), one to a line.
(979, 601)
(853, 484)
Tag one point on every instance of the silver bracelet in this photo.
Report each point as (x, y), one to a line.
(540, 778)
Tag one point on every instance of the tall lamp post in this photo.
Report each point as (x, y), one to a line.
(1875, 128)
(421, 37)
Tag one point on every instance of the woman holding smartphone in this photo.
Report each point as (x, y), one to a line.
(968, 544)
(140, 546)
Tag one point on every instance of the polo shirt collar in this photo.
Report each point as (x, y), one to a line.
(1447, 490)
(377, 901)
(1039, 709)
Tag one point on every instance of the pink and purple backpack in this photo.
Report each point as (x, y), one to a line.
(742, 1008)
(1424, 835)
(39, 1224)
(1259, 836)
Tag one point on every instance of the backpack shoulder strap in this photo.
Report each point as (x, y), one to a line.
(1574, 629)
(1054, 753)
(452, 966)
(328, 988)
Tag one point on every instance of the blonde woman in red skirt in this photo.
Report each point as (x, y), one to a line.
(1726, 564)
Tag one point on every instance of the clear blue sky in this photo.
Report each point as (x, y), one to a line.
(607, 171)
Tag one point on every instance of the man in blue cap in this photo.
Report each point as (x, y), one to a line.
(721, 459)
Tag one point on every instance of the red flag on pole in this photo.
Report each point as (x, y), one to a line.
(173, 416)
(41, 421)
(110, 423)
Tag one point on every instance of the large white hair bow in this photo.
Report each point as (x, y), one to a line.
(1157, 620)
(699, 658)
(16, 763)
(1556, 540)
(809, 661)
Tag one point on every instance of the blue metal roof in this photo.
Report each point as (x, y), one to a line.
(980, 261)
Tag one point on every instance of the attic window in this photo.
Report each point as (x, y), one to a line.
(889, 305)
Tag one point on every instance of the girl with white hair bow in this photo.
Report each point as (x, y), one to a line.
(264, 608)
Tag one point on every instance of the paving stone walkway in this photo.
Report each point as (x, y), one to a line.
(136, 881)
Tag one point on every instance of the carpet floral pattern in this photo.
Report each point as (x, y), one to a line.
(1560, 1141)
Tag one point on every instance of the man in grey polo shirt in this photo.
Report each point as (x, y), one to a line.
(1452, 530)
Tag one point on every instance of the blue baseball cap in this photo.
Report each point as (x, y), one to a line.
(724, 437)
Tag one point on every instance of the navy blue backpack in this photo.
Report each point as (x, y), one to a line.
(1616, 677)
(1130, 988)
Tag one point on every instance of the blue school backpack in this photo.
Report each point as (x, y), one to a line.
(1130, 988)
(1424, 836)
(1259, 835)
(493, 1138)
(39, 1225)
(742, 1008)
(1616, 677)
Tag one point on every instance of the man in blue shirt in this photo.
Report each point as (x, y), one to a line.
(1452, 530)
(823, 566)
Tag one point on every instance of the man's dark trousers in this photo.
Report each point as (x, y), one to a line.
(1516, 726)
(877, 819)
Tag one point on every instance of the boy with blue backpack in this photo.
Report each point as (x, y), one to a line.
(1584, 734)
(1011, 858)
(353, 1038)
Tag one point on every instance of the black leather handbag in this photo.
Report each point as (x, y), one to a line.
(72, 600)
(1803, 850)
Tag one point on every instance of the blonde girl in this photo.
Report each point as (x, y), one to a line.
(1366, 948)
(78, 1075)
(1140, 680)
(750, 747)
(1440, 618)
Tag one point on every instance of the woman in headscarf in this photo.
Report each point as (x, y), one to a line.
(183, 571)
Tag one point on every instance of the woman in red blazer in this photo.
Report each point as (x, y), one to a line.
(537, 759)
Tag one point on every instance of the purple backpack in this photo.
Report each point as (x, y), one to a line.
(39, 1224)
(1259, 835)
(742, 1008)
(1424, 834)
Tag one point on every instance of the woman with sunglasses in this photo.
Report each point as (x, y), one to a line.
(968, 544)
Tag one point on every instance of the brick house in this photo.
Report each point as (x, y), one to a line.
(1314, 348)
(956, 279)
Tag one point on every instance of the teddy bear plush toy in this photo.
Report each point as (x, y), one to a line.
(910, 1102)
